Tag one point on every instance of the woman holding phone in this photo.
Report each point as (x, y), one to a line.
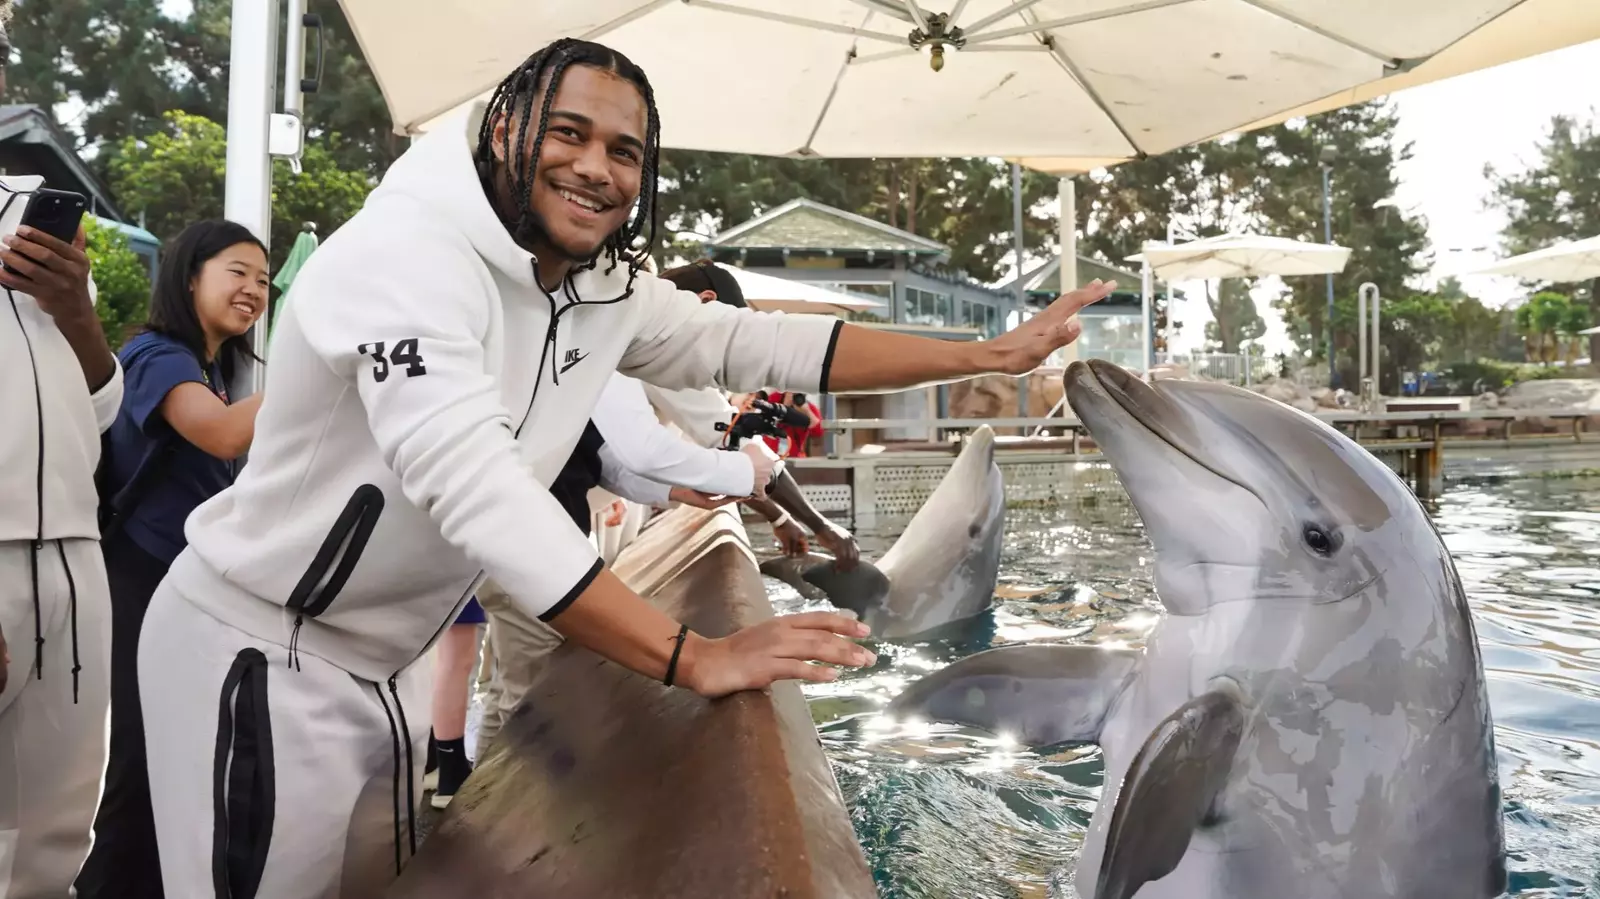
(174, 445)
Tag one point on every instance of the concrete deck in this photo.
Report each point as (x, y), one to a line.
(605, 784)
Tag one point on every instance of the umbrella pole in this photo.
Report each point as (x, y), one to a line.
(253, 56)
(1145, 277)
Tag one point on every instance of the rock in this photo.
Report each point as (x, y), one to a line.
(1283, 391)
(1556, 393)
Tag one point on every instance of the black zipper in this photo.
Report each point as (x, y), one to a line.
(38, 534)
(335, 560)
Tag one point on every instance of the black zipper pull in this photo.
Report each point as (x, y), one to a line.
(294, 643)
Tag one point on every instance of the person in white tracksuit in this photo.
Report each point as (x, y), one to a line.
(442, 357)
(60, 388)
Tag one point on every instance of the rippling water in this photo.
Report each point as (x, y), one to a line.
(953, 812)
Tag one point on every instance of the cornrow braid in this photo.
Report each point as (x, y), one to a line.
(513, 98)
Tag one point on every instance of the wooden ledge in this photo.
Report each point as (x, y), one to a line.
(605, 784)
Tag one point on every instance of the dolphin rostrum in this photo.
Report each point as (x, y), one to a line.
(941, 569)
(1309, 719)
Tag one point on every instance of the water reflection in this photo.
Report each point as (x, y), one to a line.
(944, 811)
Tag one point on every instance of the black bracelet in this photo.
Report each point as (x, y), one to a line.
(672, 666)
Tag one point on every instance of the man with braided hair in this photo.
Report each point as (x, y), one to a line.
(445, 349)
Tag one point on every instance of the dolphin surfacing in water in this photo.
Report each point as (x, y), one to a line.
(944, 565)
(1309, 719)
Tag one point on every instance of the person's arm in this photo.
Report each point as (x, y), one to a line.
(165, 383)
(641, 444)
(216, 428)
(437, 418)
(615, 477)
(785, 493)
(681, 342)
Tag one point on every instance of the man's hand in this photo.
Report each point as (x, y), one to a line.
(1025, 347)
(842, 544)
(614, 513)
(697, 499)
(54, 273)
(791, 538)
(764, 461)
(776, 649)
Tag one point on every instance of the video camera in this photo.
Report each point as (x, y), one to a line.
(764, 418)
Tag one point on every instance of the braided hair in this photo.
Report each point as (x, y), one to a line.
(513, 99)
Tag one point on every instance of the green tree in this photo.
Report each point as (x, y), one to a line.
(963, 203)
(121, 279)
(1555, 199)
(1388, 245)
(1234, 318)
(175, 177)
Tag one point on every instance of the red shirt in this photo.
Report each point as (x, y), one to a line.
(793, 444)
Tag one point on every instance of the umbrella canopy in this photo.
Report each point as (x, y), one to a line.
(1098, 80)
(1241, 256)
(1528, 29)
(1576, 260)
(772, 294)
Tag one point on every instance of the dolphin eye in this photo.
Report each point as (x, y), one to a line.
(1318, 540)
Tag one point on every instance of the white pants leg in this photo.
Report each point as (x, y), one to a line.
(52, 724)
(288, 782)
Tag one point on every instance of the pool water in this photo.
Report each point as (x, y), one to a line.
(953, 812)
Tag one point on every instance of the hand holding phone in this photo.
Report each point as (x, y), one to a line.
(53, 271)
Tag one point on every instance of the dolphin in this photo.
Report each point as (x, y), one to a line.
(1309, 717)
(943, 567)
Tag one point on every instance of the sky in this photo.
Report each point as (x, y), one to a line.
(1456, 126)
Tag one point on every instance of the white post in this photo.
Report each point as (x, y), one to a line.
(1067, 192)
(248, 197)
(1146, 279)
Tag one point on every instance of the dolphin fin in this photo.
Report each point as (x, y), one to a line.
(1168, 792)
(860, 589)
(791, 570)
(1040, 693)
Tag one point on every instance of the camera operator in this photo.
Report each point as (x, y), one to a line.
(697, 412)
(805, 423)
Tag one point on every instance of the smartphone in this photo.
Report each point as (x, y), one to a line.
(55, 212)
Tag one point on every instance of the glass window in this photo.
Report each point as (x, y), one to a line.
(924, 307)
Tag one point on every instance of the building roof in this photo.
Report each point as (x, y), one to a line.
(49, 150)
(802, 224)
(1046, 278)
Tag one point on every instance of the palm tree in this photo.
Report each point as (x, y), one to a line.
(1575, 319)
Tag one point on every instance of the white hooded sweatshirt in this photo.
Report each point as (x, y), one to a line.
(422, 393)
(50, 427)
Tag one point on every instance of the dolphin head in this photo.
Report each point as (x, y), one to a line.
(1245, 497)
(944, 565)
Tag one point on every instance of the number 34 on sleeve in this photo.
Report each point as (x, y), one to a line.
(403, 356)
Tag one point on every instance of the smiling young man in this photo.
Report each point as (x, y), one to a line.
(445, 349)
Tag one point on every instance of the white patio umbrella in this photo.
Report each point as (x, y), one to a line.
(1529, 29)
(1231, 256)
(1564, 263)
(1097, 80)
(1241, 256)
(772, 294)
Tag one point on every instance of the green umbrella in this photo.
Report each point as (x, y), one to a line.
(304, 245)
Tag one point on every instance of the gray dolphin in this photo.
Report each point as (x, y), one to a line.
(1309, 719)
(944, 565)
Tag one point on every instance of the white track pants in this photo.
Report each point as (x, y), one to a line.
(270, 781)
(52, 743)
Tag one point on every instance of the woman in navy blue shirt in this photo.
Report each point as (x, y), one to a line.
(178, 431)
